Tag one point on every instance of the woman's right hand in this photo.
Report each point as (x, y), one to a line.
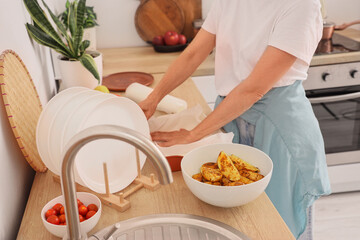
(148, 106)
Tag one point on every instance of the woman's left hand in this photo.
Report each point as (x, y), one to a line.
(167, 139)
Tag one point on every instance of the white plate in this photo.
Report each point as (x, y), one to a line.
(72, 124)
(47, 115)
(119, 156)
(57, 126)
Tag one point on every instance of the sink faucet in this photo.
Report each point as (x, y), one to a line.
(99, 132)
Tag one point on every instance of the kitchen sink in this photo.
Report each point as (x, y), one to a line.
(170, 227)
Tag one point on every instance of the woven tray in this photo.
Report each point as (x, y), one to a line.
(22, 105)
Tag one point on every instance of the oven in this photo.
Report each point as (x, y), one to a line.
(334, 92)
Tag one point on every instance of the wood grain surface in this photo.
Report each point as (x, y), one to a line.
(259, 219)
(156, 17)
(192, 10)
(145, 59)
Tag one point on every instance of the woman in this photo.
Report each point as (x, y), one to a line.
(263, 52)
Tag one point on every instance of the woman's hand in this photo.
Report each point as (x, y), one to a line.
(167, 139)
(148, 106)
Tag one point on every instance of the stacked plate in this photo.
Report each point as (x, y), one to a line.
(77, 108)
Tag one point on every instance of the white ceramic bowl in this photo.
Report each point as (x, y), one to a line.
(226, 196)
(85, 226)
(46, 117)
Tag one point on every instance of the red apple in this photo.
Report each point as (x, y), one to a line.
(182, 39)
(171, 38)
(158, 40)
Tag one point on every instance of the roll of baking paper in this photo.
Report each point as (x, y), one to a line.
(169, 104)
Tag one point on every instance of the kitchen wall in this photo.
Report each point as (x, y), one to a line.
(342, 11)
(116, 20)
(117, 29)
(117, 26)
(16, 176)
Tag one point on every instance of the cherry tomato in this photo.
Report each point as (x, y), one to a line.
(81, 218)
(79, 203)
(53, 219)
(62, 218)
(83, 210)
(49, 213)
(62, 210)
(57, 207)
(92, 207)
(90, 214)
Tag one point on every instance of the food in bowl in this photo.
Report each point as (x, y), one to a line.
(56, 214)
(217, 194)
(56, 225)
(228, 171)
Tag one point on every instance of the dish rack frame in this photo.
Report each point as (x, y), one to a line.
(118, 200)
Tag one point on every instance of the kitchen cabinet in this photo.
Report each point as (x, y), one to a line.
(257, 219)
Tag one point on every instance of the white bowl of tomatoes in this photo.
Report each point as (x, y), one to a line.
(54, 218)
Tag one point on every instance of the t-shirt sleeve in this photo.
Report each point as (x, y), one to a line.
(298, 30)
(210, 23)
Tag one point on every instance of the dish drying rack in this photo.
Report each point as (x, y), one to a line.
(118, 200)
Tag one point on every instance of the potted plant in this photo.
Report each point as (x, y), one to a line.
(90, 22)
(78, 67)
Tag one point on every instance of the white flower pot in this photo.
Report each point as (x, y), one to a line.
(73, 73)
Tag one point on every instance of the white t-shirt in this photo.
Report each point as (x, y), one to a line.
(244, 28)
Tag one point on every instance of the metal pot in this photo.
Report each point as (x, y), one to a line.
(329, 27)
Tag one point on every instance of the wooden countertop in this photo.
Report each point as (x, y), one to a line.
(145, 59)
(258, 219)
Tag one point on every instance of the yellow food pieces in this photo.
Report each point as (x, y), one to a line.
(251, 175)
(198, 177)
(210, 174)
(211, 165)
(228, 171)
(227, 167)
(241, 164)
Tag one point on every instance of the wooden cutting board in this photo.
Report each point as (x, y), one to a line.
(155, 17)
(192, 10)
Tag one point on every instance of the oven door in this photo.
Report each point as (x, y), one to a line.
(338, 113)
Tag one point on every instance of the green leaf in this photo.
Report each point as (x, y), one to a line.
(42, 38)
(67, 4)
(80, 13)
(60, 26)
(72, 19)
(84, 45)
(88, 62)
(39, 17)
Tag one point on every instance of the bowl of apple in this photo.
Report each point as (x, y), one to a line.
(171, 41)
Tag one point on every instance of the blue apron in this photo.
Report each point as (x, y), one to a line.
(284, 126)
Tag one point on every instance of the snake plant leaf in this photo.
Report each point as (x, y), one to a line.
(84, 45)
(67, 4)
(72, 19)
(80, 15)
(88, 62)
(39, 16)
(59, 24)
(42, 38)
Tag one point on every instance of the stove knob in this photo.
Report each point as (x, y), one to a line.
(354, 73)
(326, 76)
